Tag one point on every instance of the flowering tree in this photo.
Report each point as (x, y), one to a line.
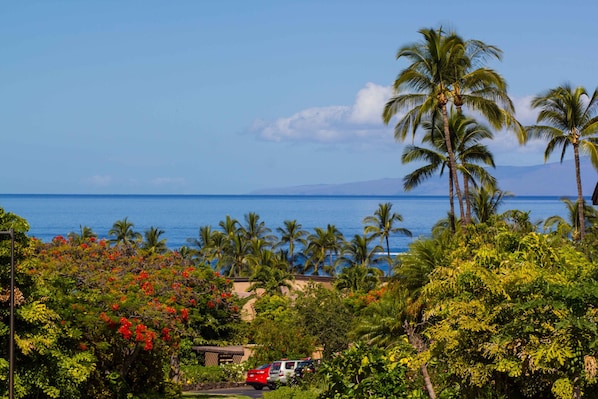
(131, 312)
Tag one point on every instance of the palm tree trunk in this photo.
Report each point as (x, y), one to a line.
(467, 200)
(452, 203)
(419, 345)
(388, 253)
(582, 224)
(452, 163)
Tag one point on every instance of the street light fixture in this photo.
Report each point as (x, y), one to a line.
(11, 354)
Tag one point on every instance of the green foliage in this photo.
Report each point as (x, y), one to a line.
(364, 372)
(276, 333)
(292, 393)
(196, 374)
(516, 311)
(325, 315)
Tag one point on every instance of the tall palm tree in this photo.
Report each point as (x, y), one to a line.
(466, 136)
(123, 233)
(382, 224)
(571, 119)
(153, 243)
(444, 68)
(291, 234)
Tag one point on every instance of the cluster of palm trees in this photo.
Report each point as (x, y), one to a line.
(243, 249)
(447, 74)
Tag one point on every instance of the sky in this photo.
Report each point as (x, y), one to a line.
(231, 96)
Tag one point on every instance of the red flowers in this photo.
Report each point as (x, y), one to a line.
(185, 314)
(124, 328)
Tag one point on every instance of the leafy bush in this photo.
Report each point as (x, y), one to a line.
(195, 374)
(292, 393)
(364, 372)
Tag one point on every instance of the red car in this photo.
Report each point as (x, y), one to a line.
(258, 377)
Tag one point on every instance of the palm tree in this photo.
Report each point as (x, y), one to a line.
(444, 68)
(571, 226)
(381, 225)
(203, 243)
(290, 234)
(270, 274)
(254, 228)
(123, 233)
(229, 226)
(466, 135)
(360, 273)
(85, 233)
(357, 279)
(322, 244)
(571, 119)
(358, 252)
(234, 261)
(485, 201)
(153, 243)
(381, 323)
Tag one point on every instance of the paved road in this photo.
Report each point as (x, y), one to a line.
(247, 391)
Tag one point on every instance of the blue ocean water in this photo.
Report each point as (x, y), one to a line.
(181, 216)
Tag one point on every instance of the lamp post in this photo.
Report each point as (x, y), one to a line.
(11, 354)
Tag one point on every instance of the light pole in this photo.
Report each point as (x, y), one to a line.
(11, 354)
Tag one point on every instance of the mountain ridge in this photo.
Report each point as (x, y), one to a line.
(550, 179)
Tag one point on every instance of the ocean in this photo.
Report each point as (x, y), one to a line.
(181, 216)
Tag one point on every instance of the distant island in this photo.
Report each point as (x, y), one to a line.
(550, 179)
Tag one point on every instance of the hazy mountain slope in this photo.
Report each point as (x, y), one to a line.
(552, 179)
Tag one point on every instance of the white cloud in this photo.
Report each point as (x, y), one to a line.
(369, 104)
(525, 113)
(359, 122)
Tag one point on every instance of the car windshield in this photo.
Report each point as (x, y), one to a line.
(263, 366)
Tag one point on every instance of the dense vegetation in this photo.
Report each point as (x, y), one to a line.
(490, 305)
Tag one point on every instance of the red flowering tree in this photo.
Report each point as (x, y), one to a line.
(132, 312)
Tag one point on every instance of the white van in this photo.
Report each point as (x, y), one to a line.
(281, 371)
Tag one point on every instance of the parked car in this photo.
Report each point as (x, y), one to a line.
(281, 371)
(304, 367)
(258, 377)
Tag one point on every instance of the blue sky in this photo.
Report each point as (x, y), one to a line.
(225, 97)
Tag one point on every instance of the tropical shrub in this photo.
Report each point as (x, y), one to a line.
(365, 372)
(276, 332)
(513, 314)
(130, 313)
